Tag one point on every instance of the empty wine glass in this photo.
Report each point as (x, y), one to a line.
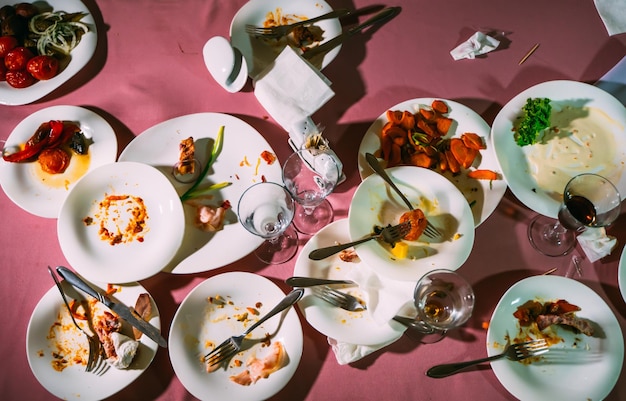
(266, 209)
(310, 175)
(589, 200)
(444, 300)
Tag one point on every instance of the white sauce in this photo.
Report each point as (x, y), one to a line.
(580, 140)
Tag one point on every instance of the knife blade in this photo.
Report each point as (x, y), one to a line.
(311, 281)
(122, 310)
(324, 48)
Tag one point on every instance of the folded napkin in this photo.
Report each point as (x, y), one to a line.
(596, 243)
(613, 14)
(477, 44)
(384, 298)
(291, 89)
(614, 81)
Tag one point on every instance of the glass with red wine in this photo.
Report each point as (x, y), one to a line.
(589, 200)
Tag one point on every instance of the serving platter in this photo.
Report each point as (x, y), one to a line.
(199, 323)
(73, 383)
(578, 367)
(239, 163)
(80, 56)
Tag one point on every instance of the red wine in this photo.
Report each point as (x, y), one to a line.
(578, 211)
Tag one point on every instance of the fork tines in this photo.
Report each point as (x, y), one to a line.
(531, 348)
(220, 353)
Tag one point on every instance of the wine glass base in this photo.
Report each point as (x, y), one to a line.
(547, 239)
(311, 223)
(280, 249)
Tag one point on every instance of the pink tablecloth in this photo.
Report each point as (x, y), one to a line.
(148, 68)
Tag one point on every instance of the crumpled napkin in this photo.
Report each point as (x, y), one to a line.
(385, 298)
(613, 14)
(477, 44)
(291, 89)
(596, 243)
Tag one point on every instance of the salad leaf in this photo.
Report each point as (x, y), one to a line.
(536, 118)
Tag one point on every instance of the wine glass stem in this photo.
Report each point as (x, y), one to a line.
(555, 232)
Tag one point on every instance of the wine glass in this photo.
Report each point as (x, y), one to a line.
(589, 200)
(266, 209)
(444, 300)
(310, 175)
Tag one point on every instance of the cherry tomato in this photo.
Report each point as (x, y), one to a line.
(7, 43)
(19, 79)
(42, 67)
(16, 59)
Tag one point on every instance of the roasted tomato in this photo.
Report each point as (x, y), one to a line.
(418, 223)
(7, 43)
(19, 79)
(16, 59)
(53, 160)
(43, 67)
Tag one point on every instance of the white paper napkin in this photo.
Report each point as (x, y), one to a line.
(613, 14)
(477, 44)
(384, 298)
(596, 243)
(291, 89)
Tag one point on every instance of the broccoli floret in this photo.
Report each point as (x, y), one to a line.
(536, 118)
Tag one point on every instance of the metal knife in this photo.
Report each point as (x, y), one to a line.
(382, 16)
(122, 310)
(311, 282)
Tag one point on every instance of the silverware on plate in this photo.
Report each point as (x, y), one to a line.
(275, 32)
(390, 235)
(311, 281)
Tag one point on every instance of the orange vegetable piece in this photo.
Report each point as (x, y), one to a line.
(439, 106)
(443, 125)
(418, 223)
(453, 163)
(427, 114)
(464, 155)
(483, 175)
(398, 135)
(408, 120)
(386, 147)
(421, 159)
(395, 157)
(394, 116)
(472, 140)
(426, 128)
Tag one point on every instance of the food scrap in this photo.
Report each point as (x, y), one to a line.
(301, 37)
(186, 157)
(257, 369)
(211, 218)
(121, 219)
(417, 221)
(419, 139)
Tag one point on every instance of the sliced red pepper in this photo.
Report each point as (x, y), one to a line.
(32, 147)
(55, 135)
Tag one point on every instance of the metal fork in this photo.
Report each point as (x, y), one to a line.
(279, 31)
(338, 298)
(390, 235)
(430, 231)
(95, 347)
(232, 345)
(514, 352)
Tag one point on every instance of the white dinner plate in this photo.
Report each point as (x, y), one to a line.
(198, 323)
(484, 196)
(43, 194)
(98, 260)
(621, 274)
(240, 163)
(580, 367)
(514, 159)
(73, 383)
(80, 57)
(259, 53)
(341, 325)
(376, 204)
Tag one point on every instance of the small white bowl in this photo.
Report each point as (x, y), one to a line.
(225, 63)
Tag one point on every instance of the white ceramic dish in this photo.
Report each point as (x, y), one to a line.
(73, 383)
(98, 260)
(581, 367)
(240, 162)
(259, 53)
(484, 196)
(80, 57)
(621, 274)
(198, 323)
(514, 161)
(226, 64)
(341, 325)
(376, 204)
(23, 183)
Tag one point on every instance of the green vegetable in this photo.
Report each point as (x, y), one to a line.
(536, 118)
(215, 151)
(57, 32)
(203, 191)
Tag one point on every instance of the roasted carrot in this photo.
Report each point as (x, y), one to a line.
(453, 164)
(394, 116)
(472, 140)
(429, 115)
(464, 155)
(408, 120)
(483, 175)
(443, 125)
(439, 106)
(421, 159)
